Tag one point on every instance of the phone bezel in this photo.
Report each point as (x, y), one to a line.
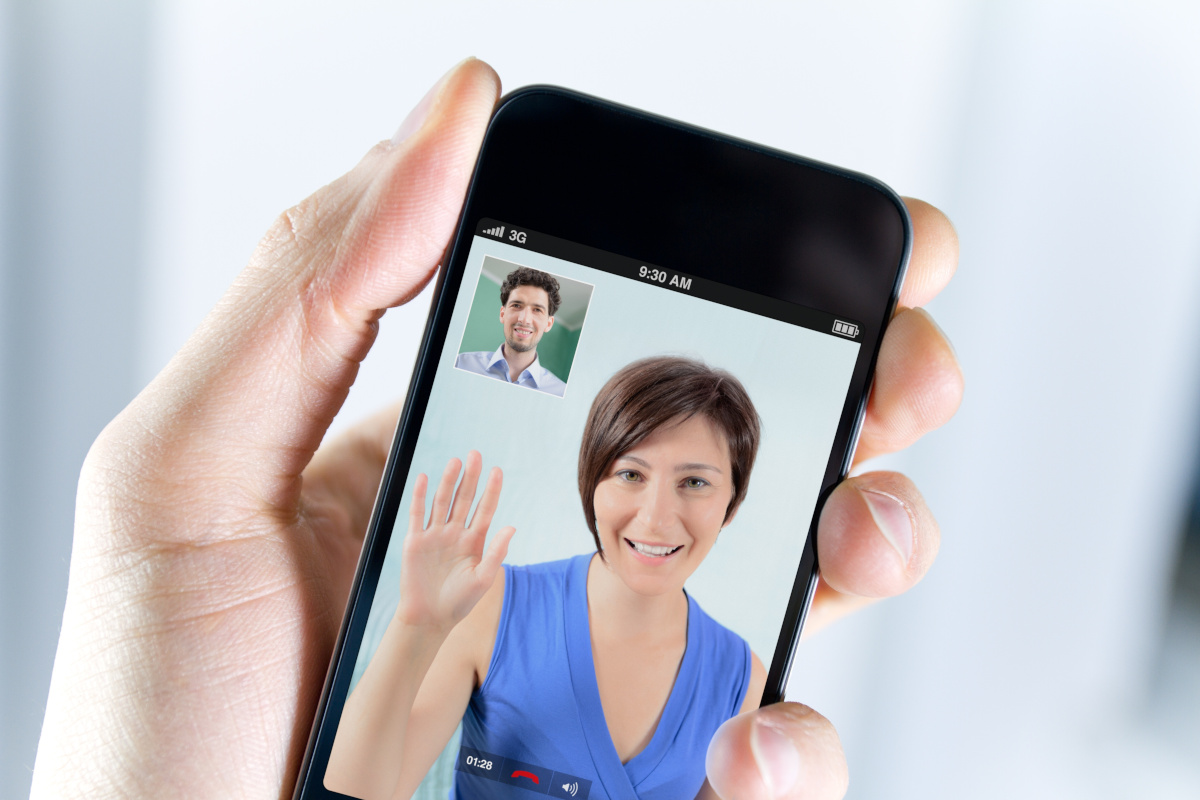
(599, 149)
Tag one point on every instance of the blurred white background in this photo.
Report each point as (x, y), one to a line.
(1054, 651)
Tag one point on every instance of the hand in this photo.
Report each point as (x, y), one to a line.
(212, 560)
(213, 551)
(876, 537)
(443, 570)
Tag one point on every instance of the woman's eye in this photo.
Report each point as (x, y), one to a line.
(629, 475)
(695, 483)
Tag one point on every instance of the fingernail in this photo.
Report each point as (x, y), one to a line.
(416, 118)
(776, 757)
(891, 517)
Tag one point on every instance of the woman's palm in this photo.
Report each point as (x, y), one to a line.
(444, 570)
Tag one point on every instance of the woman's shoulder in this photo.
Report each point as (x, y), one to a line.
(528, 607)
(712, 628)
(542, 594)
(728, 655)
(538, 592)
(547, 571)
(723, 644)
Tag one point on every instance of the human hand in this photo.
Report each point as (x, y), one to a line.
(213, 553)
(444, 570)
(876, 537)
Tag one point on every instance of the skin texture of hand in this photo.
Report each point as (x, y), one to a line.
(210, 568)
(214, 551)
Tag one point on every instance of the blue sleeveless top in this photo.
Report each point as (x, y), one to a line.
(536, 724)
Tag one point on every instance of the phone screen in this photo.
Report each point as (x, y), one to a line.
(679, 513)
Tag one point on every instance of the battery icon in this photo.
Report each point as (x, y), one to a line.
(847, 329)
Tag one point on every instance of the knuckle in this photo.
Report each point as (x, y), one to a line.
(295, 227)
(308, 228)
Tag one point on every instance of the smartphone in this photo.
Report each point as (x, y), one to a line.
(645, 367)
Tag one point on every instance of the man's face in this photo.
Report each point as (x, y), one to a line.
(525, 317)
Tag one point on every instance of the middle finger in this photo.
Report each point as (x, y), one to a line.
(466, 489)
(876, 538)
(445, 490)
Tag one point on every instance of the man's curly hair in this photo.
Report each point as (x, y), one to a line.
(527, 276)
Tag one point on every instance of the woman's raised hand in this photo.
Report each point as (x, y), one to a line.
(444, 569)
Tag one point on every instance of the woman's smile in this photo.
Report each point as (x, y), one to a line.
(652, 553)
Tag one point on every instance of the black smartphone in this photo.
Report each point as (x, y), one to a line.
(645, 367)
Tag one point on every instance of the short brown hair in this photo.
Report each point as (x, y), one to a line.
(648, 394)
(527, 276)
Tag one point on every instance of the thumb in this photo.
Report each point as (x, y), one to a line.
(780, 752)
(489, 565)
(252, 392)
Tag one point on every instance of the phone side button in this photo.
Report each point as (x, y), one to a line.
(858, 429)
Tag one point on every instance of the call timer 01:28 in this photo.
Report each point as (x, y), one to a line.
(482, 763)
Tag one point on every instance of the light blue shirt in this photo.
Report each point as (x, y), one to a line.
(493, 365)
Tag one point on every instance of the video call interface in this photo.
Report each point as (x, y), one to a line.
(660, 443)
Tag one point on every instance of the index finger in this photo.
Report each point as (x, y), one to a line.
(934, 254)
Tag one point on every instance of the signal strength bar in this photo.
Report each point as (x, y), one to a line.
(497, 231)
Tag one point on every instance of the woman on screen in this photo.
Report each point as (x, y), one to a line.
(598, 672)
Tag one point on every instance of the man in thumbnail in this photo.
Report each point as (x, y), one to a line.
(528, 300)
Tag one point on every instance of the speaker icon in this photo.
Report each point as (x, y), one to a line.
(571, 788)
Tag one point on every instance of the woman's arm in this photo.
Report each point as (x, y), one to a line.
(758, 680)
(444, 574)
(459, 668)
(369, 749)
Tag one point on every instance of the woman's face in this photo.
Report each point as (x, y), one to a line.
(661, 505)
